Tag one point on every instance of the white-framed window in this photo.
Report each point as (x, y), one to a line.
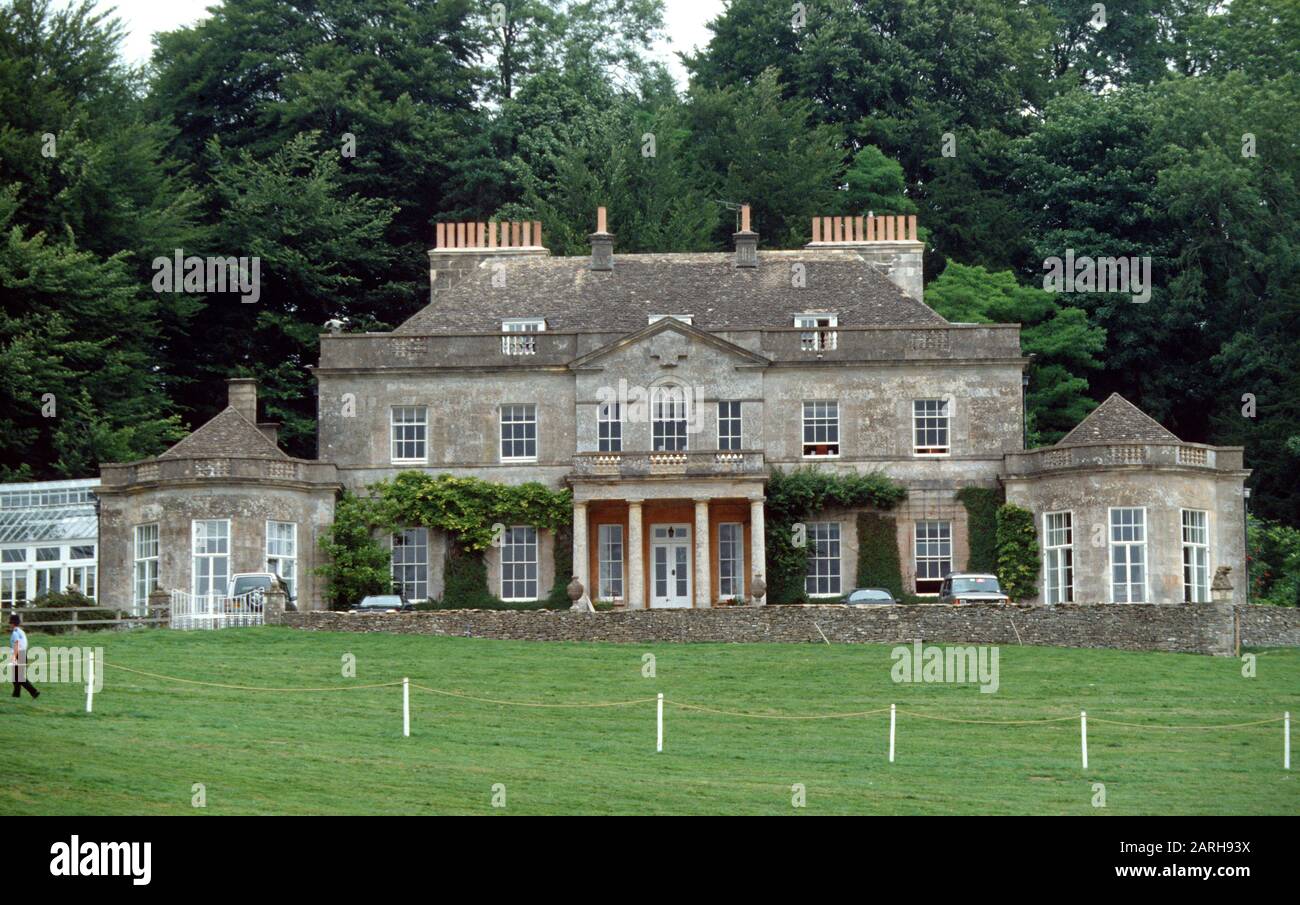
(410, 434)
(14, 555)
(729, 432)
(410, 568)
(81, 551)
(13, 587)
(669, 415)
(520, 338)
(1128, 555)
(145, 568)
(731, 559)
(519, 433)
(609, 427)
(49, 580)
(821, 429)
(83, 579)
(519, 563)
(1058, 557)
(282, 553)
(933, 555)
(819, 333)
(1196, 556)
(609, 539)
(211, 556)
(684, 318)
(823, 545)
(930, 435)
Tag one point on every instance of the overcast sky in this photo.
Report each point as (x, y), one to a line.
(684, 22)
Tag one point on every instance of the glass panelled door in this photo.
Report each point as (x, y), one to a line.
(670, 566)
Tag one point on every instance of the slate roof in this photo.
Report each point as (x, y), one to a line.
(718, 295)
(1117, 419)
(228, 434)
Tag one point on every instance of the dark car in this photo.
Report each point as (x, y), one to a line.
(870, 597)
(382, 603)
(972, 587)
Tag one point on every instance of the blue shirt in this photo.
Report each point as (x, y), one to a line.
(19, 638)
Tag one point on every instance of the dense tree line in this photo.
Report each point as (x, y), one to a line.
(328, 137)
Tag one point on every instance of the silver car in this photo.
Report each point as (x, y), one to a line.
(870, 597)
(972, 587)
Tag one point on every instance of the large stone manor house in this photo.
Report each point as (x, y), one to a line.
(663, 389)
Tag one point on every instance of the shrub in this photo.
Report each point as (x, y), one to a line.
(981, 527)
(1018, 560)
(878, 562)
(38, 615)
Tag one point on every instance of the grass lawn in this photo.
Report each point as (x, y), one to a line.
(149, 740)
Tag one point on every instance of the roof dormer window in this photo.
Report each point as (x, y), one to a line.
(684, 318)
(525, 344)
(820, 333)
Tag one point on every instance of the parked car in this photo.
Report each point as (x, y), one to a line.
(257, 584)
(382, 603)
(971, 587)
(870, 597)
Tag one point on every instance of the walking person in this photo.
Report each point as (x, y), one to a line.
(18, 658)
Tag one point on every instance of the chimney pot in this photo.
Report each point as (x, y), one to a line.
(241, 395)
(602, 244)
(746, 241)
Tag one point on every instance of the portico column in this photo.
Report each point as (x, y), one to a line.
(580, 557)
(703, 586)
(757, 543)
(634, 586)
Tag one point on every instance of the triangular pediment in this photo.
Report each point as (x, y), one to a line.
(669, 342)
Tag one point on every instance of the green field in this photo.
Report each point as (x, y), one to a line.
(150, 740)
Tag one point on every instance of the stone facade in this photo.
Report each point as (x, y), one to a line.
(569, 371)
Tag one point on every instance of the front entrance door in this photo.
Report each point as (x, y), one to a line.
(670, 566)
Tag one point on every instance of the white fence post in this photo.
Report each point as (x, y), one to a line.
(90, 680)
(1286, 740)
(659, 723)
(892, 716)
(1083, 735)
(406, 708)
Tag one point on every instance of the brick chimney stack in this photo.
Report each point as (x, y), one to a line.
(890, 244)
(746, 241)
(602, 244)
(241, 395)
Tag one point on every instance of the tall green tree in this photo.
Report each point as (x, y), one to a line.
(1065, 346)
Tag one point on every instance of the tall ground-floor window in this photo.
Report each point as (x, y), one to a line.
(83, 579)
(1058, 556)
(933, 555)
(145, 566)
(1128, 555)
(823, 544)
(731, 559)
(519, 563)
(282, 553)
(610, 557)
(13, 587)
(411, 563)
(211, 556)
(1196, 556)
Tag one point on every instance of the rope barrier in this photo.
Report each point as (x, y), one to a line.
(468, 697)
(775, 716)
(154, 675)
(683, 704)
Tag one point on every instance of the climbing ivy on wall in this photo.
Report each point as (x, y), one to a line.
(981, 527)
(1018, 559)
(465, 508)
(798, 495)
(878, 563)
